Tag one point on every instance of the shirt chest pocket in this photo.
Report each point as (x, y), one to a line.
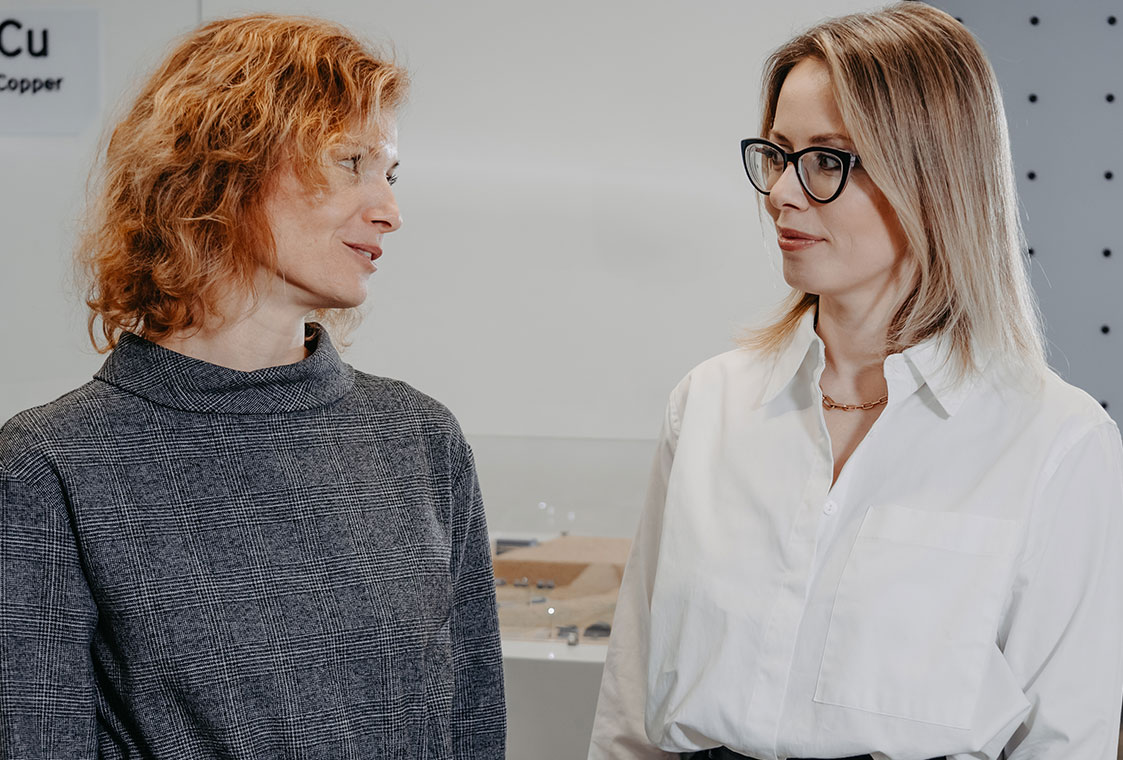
(915, 614)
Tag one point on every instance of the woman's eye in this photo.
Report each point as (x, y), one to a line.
(825, 162)
(351, 163)
(391, 178)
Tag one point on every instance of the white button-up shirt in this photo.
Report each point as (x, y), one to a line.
(958, 591)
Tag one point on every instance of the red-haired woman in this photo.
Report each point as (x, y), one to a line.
(230, 543)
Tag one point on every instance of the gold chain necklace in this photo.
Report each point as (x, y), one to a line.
(830, 403)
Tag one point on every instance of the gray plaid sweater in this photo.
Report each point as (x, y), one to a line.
(197, 562)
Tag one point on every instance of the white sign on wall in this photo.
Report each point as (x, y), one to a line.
(50, 71)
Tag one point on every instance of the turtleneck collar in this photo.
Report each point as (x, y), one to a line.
(169, 379)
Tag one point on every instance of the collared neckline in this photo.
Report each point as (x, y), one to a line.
(145, 369)
(934, 365)
(792, 356)
(930, 364)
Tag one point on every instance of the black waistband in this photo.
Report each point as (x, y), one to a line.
(724, 753)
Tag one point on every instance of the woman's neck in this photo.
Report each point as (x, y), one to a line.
(855, 340)
(263, 336)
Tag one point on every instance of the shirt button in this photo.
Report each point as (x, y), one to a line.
(830, 508)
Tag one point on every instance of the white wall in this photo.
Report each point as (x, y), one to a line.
(42, 182)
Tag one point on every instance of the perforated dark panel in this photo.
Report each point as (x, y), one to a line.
(1061, 72)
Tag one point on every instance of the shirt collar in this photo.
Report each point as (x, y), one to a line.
(929, 363)
(933, 365)
(170, 379)
(792, 356)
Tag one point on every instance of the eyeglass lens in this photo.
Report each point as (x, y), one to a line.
(819, 172)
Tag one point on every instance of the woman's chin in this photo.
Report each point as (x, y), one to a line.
(798, 278)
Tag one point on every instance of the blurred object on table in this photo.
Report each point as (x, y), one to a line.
(568, 583)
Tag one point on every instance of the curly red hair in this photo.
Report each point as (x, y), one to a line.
(178, 215)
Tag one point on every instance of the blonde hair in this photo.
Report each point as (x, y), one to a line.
(178, 216)
(923, 108)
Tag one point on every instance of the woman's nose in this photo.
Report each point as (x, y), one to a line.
(382, 210)
(787, 191)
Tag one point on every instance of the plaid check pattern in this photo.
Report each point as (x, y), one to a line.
(197, 562)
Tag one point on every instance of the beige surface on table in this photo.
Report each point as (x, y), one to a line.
(586, 572)
(561, 559)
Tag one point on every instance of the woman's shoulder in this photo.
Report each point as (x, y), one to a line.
(1047, 410)
(397, 411)
(747, 370)
(1068, 407)
(737, 362)
(42, 428)
(1045, 395)
(388, 395)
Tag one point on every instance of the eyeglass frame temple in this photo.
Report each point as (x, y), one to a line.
(793, 158)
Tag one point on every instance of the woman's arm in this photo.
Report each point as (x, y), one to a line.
(479, 714)
(618, 729)
(1065, 631)
(47, 616)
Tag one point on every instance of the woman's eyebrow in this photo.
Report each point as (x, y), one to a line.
(823, 139)
(377, 151)
(835, 137)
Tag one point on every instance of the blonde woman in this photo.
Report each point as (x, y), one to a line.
(231, 544)
(882, 528)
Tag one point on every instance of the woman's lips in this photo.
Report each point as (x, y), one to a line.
(373, 251)
(368, 252)
(794, 240)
